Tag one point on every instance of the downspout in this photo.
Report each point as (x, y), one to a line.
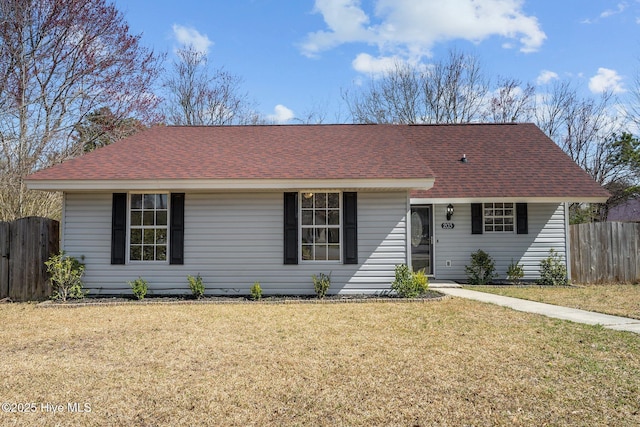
(408, 229)
(567, 239)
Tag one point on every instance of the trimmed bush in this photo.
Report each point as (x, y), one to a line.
(65, 273)
(553, 272)
(196, 286)
(408, 284)
(482, 268)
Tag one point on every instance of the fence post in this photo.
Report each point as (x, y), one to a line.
(4, 259)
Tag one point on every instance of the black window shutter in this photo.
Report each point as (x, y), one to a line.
(476, 218)
(119, 228)
(350, 227)
(290, 228)
(522, 218)
(176, 229)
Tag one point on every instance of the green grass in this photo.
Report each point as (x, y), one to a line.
(453, 362)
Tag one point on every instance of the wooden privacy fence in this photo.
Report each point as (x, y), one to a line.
(605, 252)
(25, 244)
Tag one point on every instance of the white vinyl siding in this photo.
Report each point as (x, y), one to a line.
(453, 247)
(235, 239)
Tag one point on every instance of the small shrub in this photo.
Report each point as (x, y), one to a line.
(553, 272)
(321, 284)
(482, 268)
(65, 273)
(515, 273)
(196, 286)
(420, 281)
(256, 291)
(408, 284)
(139, 287)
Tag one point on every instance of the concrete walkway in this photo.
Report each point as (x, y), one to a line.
(549, 310)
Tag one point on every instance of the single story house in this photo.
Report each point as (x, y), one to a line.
(276, 204)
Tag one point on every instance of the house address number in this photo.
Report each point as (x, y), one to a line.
(448, 225)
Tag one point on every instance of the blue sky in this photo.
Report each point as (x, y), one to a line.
(296, 56)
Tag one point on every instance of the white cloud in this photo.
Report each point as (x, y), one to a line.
(188, 36)
(606, 80)
(281, 114)
(610, 12)
(345, 21)
(367, 64)
(411, 28)
(546, 76)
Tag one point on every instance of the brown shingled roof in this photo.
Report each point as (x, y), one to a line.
(504, 160)
(249, 152)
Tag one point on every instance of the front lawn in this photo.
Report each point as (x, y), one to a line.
(453, 362)
(618, 300)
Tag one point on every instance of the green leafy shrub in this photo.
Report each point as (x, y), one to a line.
(139, 287)
(553, 272)
(196, 286)
(65, 273)
(321, 284)
(515, 273)
(482, 268)
(256, 291)
(408, 284)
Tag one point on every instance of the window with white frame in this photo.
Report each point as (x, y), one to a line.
(148, 227)
(499, 217)
(320, 214)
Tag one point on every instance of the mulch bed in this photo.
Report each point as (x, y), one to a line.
(430, 295)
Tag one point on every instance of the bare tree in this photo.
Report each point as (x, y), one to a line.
(511, 102)
(449, 91)
(196, 96)
(586, 129)
(633, 106)
(393, 98)
(582, 127)
(550, 109)
(455, 89)
(58, 62)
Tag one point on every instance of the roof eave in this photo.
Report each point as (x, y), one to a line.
(512, 199)
(230, 184)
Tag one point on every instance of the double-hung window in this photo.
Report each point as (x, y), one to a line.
(320, 223)
(148, 230)
(499, 217)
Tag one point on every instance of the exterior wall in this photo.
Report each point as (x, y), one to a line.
(235, 239)
(546, 230)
